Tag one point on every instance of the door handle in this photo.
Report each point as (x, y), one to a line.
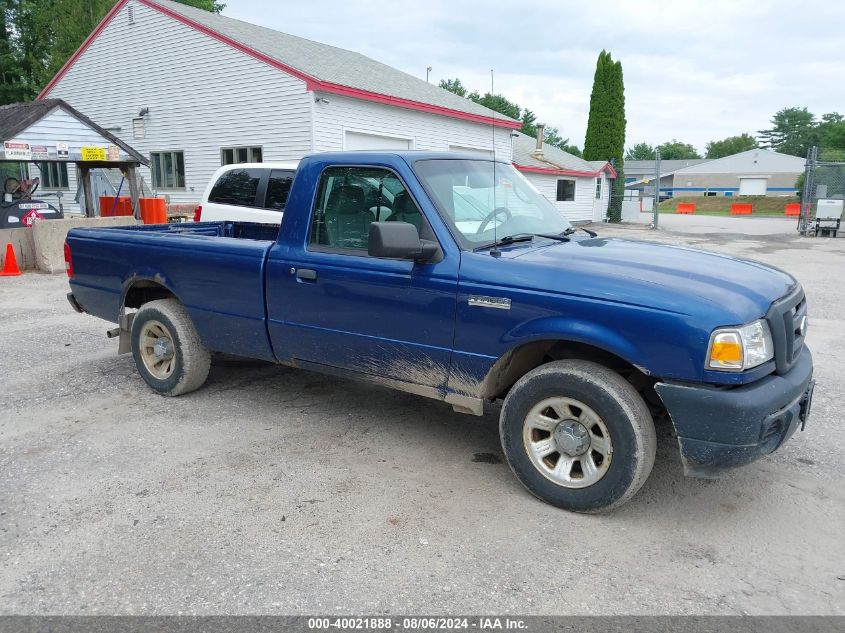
(306, 274)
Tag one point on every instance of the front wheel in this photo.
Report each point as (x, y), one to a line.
(578, 435)
(168, 351)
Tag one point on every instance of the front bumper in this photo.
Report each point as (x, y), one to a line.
(722, 428)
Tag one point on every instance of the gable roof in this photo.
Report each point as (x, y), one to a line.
(322, 67)
(554, 161)
(17, 117)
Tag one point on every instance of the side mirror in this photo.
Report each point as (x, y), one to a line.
(399, 240)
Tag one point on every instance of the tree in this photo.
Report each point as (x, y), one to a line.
(793, 132)
(39, 36)
(831, 131)
(605, 139)
(454, 85)
(676, 150)
(505, 106)
(640, 151)
(730, 146)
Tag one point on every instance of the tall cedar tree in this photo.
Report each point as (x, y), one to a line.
(605, 139)
(38, 36)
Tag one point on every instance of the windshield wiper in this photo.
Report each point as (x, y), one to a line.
(522, 237)
(507, 239)
(572, 229)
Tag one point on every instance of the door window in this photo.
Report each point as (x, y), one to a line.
(237, 187)
(349, 199)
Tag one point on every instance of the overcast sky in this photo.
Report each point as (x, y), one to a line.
(694, 70)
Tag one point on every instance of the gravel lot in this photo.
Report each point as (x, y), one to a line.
(281, 491)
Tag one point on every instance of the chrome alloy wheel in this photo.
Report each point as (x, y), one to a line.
(567, 442)
(158, 352)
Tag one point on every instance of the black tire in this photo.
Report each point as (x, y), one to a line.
(190, 358)
(621, 411)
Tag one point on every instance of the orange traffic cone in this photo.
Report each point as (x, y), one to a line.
(10, 267)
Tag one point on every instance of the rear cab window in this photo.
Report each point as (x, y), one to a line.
(278, 188)
(237, 187)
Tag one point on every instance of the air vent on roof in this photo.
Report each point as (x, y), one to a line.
(130, 13)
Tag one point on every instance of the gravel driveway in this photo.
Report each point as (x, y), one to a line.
(282, 491)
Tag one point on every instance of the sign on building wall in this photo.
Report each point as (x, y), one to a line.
(17, 151)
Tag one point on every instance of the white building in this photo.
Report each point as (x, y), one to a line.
(193, 90)
(580, 189)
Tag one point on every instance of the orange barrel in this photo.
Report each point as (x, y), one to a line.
(107, 206)
(124, 206)
(154, 210)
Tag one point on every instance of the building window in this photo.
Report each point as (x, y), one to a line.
(53, 175)
(565, 190)
(710, 194)
(237, 155)
(168, 170)
(598, 188)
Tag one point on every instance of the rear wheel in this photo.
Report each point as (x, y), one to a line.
(578, 435)
(168, 351)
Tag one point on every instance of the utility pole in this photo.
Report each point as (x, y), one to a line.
(427, 71)
(654, 211)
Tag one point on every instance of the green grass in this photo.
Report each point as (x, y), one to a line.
(764, 206)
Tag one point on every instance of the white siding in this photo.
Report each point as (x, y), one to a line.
(202, 94)
(578, 210)
(427, 131)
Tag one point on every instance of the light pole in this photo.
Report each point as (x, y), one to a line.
(427, 71)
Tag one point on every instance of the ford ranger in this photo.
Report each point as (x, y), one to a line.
(451, 277)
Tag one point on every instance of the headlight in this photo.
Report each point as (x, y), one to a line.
(738, 348)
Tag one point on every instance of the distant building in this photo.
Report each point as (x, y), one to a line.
(756, 172)
(579, 189)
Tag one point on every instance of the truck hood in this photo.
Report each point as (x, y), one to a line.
(657, 276)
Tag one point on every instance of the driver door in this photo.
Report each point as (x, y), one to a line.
(333, 305)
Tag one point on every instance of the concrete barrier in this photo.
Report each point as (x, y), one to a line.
(793, 208)
(21, 240)
(686, 207)
(741, 208)
(48, 237)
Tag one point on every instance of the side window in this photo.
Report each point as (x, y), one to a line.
(237, 187)
(349, 199)
(278, 188)
(565, 190)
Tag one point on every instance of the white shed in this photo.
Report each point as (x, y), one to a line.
(580, 189)
(193, 90)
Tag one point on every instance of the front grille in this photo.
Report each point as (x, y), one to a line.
(785, 318)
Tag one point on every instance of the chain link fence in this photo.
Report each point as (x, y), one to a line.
(823, 180)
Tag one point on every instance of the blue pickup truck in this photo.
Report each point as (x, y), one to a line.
(451, 277)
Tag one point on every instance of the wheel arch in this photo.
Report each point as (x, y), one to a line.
(521, 359)
(140, 290)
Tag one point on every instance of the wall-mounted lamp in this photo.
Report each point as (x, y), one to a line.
(320, 100)
(144, 112)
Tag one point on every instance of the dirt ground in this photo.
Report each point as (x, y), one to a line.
(281, 491)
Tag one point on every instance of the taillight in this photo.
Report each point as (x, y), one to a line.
(198, 213)
(68, 261)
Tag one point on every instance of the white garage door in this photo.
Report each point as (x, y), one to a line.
(752, 186)
(486, 153)
(358, 140)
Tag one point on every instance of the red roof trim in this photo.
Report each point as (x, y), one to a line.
(556, 172)
(103, 23)
(311, 83)
(400, 102)
(565, 172)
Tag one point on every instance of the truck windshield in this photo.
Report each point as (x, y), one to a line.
(476, 204)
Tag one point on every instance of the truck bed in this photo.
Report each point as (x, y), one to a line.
(216, 269)
(235, 230)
